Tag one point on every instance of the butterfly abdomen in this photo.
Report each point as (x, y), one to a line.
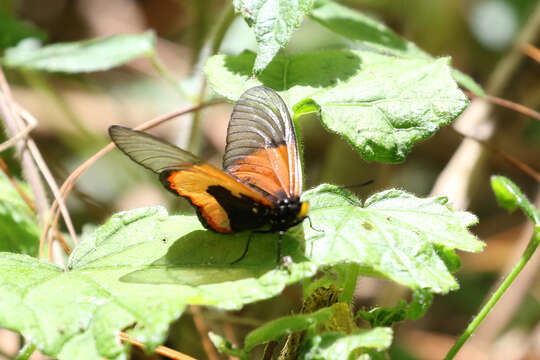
(244, 212)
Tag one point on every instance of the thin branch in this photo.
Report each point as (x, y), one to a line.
(68, 184)
(203, 332)
(17, 115)
(13, 140)
(509, 158)
(11, 178)
(31, 173)
(532, 51)
(508, 104)
(36, 154)
(160, 350)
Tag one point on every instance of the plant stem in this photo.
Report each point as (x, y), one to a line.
(26, 351)
(529, 251)
(165, 74)
(350, 283)
(214, 43)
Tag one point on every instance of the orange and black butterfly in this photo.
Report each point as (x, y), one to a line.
(261, 181)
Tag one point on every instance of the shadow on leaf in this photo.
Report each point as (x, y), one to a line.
(204, 257)
(317, 69)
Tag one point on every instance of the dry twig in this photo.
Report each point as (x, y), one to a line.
(160, 350)
(203, 332)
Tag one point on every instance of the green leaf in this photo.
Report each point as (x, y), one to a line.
(136, 272)
(278, 328)
(225, 347)
(339, 346)
(356, 26)
(420, 303)
(376, 36)
(385, 315)
(82, 56)
(510, 197)
(380, 103)
(19, 228)
(13, 30)
(394, 235)
(273, 22)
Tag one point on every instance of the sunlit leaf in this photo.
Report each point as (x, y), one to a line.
(393, 234)
(81, 56)
(139, 270)
(376, 36)
(380, 103)
(77, 313)
(19, 230)
(339, 346)
(273, 22)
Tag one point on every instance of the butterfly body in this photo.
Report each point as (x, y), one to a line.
(261, 183)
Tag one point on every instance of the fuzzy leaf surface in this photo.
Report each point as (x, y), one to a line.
(136, 272)
(81, 56)
(339, 346)
(380, 103)
(272, 22)
(393, 234)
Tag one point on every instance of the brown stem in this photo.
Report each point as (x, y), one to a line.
(203, 332)
(160, 350)
(508, 104)
(11, 178)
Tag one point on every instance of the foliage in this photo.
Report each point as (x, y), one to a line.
(19, 229)
(381, 104)
(81, 56)
(13, 30)
(273, 22)
(139, 271)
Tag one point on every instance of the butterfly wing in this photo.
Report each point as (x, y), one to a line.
(223, 203)
(262, 148)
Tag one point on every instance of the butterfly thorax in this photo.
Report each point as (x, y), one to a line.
(287, 213)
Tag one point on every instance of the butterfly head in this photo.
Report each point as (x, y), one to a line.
(288, 213)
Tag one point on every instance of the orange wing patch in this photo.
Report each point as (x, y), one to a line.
(266, 169)
(193, 182)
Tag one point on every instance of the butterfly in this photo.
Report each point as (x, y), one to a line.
(260, 185)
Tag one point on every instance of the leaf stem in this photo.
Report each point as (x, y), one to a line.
(165, 74)
(214, 43)
(349, 285)
(26, 351)
(529, 251)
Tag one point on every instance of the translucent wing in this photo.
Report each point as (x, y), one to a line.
(223, 203)
(262, 148)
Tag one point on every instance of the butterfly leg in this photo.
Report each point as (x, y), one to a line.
(245, 249)
(280, 239)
